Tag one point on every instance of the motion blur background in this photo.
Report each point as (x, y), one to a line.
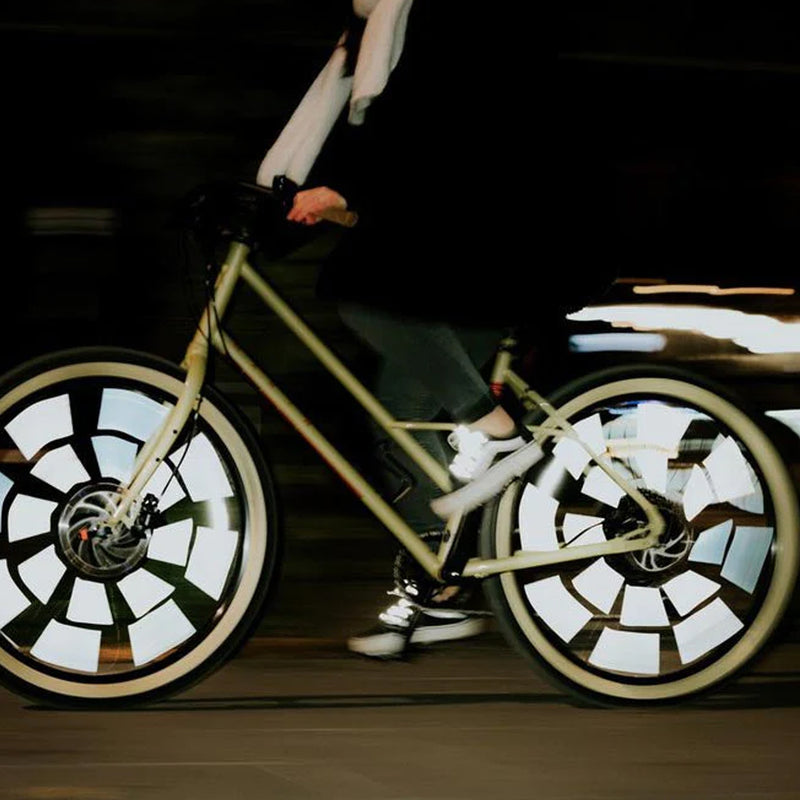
(668, 135)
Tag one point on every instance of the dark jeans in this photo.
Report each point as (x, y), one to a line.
(428, 371)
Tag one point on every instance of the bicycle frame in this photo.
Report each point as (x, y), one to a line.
(209, 332)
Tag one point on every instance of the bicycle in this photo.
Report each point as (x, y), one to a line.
(641, 550)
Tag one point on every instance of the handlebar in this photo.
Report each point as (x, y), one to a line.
(339, 216)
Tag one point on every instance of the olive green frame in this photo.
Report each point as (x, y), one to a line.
(209, 332)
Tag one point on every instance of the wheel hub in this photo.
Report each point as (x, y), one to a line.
(674, 543)
(89, 543)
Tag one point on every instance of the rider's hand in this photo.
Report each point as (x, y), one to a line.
(310, 203)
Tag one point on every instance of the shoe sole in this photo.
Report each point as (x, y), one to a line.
(390, 645)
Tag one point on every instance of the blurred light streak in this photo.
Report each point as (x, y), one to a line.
(691, 288)
(757, 333)
(627, 342)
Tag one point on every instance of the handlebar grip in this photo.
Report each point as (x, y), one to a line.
(341, 216)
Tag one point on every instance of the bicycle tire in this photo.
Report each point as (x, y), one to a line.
(682, 618)
(91, 617)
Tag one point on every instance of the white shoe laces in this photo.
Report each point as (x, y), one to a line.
(399, 614)
(469, 446)
(476, 451)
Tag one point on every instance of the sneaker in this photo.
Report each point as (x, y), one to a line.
(475, 451)
(389, 638)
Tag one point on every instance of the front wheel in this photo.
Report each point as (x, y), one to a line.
(674, 620)
(91, 615)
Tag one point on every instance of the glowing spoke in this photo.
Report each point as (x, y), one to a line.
(166, 487)
(652, 466)
(12, 600)
(142, 591)
(5, 487)
(115, 457)
(582, 529)
(170, 543)
(627, 651)
(42, 572)
(29, 516)
(559, 610)
(710, 545)
(571, 454)
(728, 471)
(202, 470)
(158, 632)
(61, 468)
(211, 559)
(599, 584)
(661, 426)
(69, 647)
(537, 520)
(688, 590)
(642, 607)
(703, 631)
(746, 556)
(89, 603)
(600, 486)
(130, 412)
(41, 423)
(697, 494)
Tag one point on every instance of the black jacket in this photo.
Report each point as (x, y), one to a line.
(450, 174)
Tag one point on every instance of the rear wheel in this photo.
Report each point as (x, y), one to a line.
(91, 615)
(679, 618)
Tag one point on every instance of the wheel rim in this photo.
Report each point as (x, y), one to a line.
(90, 612)
(682, 616)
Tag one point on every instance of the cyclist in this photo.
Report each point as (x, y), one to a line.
(406, 124)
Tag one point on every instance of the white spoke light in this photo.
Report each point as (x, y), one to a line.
(627, 651)
(130, 412)
(661, 427)
(559, 610)
(728, 471)
(582, 529)
(115, 457)
(61, 468)
(42, 572)
(709, 627)
(746, 557)
(537, 520)
(687, 590)
(69, 647)
(170, 543)
(202, 470)
(600, 486)
(652, 466)
(89, 603)
(573, 455)
(158, 632)
(165, 486)
(5, 487)
(697, 494)
(599, 584)
(709, 548)
(211, 559)
(29, 516)
(12, 600)
(142, 591)
(643, 607)
(41, 423)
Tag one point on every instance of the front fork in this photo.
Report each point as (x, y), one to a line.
(195, 362)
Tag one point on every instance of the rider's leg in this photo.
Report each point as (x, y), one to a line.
(427, 370)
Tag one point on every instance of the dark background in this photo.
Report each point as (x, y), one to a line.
(666, 137)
